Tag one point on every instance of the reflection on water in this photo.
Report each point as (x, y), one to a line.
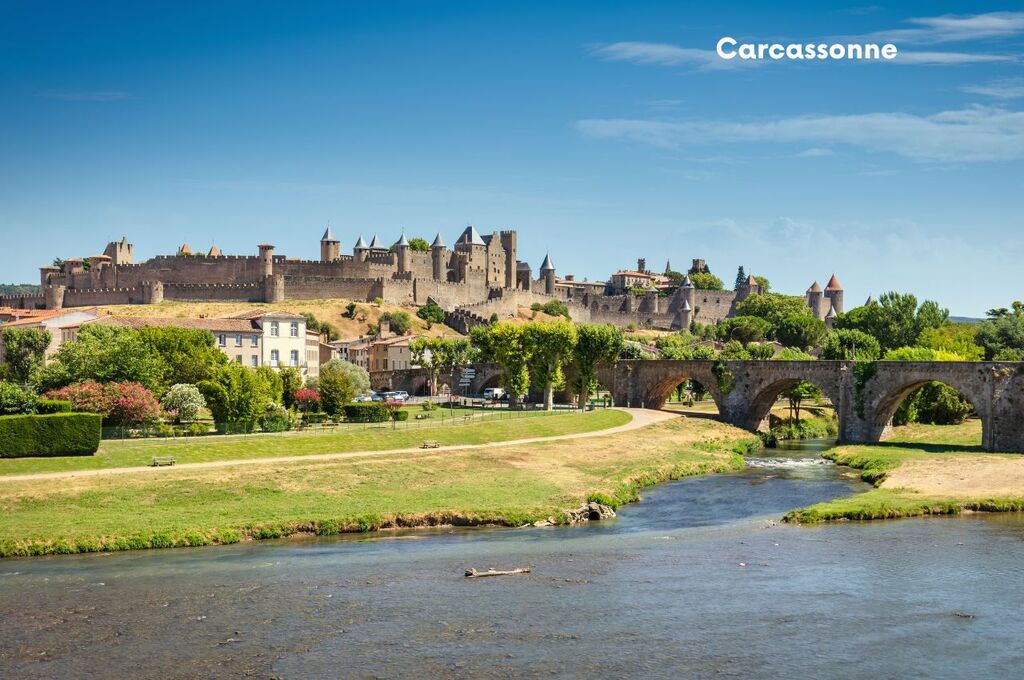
(697, 580)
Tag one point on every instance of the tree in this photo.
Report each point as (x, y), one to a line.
(274, 382)
(505, 344)
(307, 400)
(848, 344)
(25, 351)
(322, 327)
(801, 390)
(633, 350)
(105, 354)
(706, 281)
(596, 345)
(1001, 336)
(440, 355)
(291, 382)
(773, 307)
(741, 277)
(959, 338)
(550, 346)
(894, 320)
(555, 308)
(764, 283)
(357, 375)
(189, 355)
(734, 351)
(237, 395)
(431, 313)
(419, 245)
(746, 329)
(801, 330)
(183, 401)
(400, 321)
(761, 351)
(934, 402)
(335, 391)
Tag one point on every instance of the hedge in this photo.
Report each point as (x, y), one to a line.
(46, 406)
(56, 434)
(400, 415)
(367, 412)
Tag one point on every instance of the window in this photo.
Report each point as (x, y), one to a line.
(222, 340)
(238, 358)
(275, 329)
(274, 358)
(238, 339)
(294, 358)
(255, 361)
(295, 329)
(255, 341)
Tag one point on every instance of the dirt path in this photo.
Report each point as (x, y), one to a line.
(960, 476)
(641, 418)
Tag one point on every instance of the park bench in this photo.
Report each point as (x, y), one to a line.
(421, 416)
(159, 461)
(431, 444)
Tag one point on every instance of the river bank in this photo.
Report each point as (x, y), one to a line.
(924, 470)
(504, 485)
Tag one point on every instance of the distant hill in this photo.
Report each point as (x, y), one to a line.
(965, 319)
(18, 289)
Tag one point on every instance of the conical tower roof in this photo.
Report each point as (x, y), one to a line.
(833, 284)
(686, 282)
(686, 305)
(438, 241)
(470, 236)
(751, 281)
(831, 312)
(869, 301)
(328, 235)
(184, 249)
(668, 266)
(546, 265)
(360, 243)
(214, 252)
(375, 243)
(402, 241)
(815, 288)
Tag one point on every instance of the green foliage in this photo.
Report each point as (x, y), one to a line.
(291, 382)
(550, 346)
(442, 355)
(25, 351)
(682, 347)
(850, 344)
(367, 412)
(801, 331)
(958, 338)
(237, 396)
(57, 434)
(183, 401)
(741, 277)
(336, 391)
(276, 418)
(16, 401)
(46, 406)
(505, 344)
(596, 345)
(552, 308)
(19, 289)
(273, 380)
(429, 406)
(793, 354)
(745, 329)
(811, 428)
(706, 281)
(188, 355)
(1009, 354)
(633, 350)
(322, 327)
(934, 403)
(431, 313)
(419, 245)
(357, 375)
(723, 376)
(773, 307)
(104, 354)
(350, 310)
(401, 322)
(895, 320)
(761, 351)
(765, 284)
(920, 354)
(1002, 336)
(734, 351)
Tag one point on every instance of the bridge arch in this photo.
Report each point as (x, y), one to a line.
(763, 400)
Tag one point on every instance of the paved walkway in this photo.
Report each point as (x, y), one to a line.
(641, 418)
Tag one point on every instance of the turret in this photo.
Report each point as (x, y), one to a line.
(814, 300)
(668, 267)
(401, 249)
(152, 292)
(641, 265)
(524, 276)
(684, 317)
(749, 287)
(831, 316)
(330, 247)
(509, 243)
(547, 271)
(437, 251)
(360, 249)
(54, 296)
(45, 273)
(834, 293)
(689, 293)
(267, 259)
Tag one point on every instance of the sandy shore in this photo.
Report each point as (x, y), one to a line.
(973, 476)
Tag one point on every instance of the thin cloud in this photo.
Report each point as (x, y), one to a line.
(99, 96)
(1003, 88)
(665, 55)
(956, 28)
(969, 135)
(947, 58)
(815, 152)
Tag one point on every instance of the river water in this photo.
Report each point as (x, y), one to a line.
(699, 580)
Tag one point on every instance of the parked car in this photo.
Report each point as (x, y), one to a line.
(399, 395)
(364, 397)
(494, 393)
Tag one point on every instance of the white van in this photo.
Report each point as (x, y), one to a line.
(494, 393)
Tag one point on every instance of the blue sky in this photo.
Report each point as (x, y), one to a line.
(602, 131)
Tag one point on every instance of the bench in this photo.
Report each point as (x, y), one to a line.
(421, 416)
(431, 444)
(159, 461)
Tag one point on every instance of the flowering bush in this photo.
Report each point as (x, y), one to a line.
(183, 401)
(307, 400)
(123, 404)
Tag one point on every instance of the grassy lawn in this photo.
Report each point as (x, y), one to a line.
(922, 470)
(505, 485)
(480, 429)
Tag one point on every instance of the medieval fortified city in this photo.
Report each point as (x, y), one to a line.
(294, 420)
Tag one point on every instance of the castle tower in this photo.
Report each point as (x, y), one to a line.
(815, 299)
(830, 318)
(641, 265)
(330, 247)
(267, 259)
(437, 250)
(120, 252)
(509, 242)
(834, 293)
(360, 249)
(684, 317)
(273, 288)
(54, 296)
(45, 273)
(748, 288)
(402, 251)
(524, 276)
(547, 271)
(152, 292)
(689, 294)
(650, 304)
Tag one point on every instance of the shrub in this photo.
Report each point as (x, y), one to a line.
(431, 312)
(400, 322)
(313, 418)
(57, 434)
(307, 400)
(197, 430)
(45, 406)
(124, 404)
(16, 401)
(183, 402)
(428, 406)
(163, 430)
(276, 419)
(399, 414)
(369, 412)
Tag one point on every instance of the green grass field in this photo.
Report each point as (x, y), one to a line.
(480, 429)
(509, 485)
(947, 447)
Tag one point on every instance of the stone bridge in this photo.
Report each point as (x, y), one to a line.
(746, 390)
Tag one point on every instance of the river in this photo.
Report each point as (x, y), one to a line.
(699, 580)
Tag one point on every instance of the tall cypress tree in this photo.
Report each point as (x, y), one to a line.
(741, 277)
